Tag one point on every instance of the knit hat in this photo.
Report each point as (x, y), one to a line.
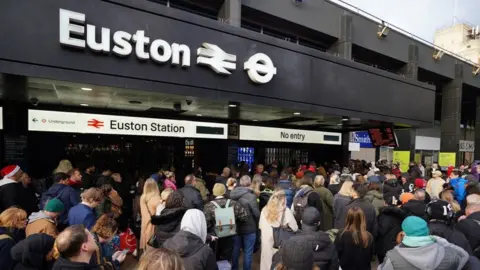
(54, 205)
(415, 226)
(405, 197)
(437, 173)
(373, 179)
(420, 183)
(299, 175)
(219, 189)
(439, 209)
(9, 170)
(311, 217)
(297, 254)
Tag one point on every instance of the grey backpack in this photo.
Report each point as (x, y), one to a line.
(224, 220)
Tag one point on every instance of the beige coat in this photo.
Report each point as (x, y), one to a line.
(267, 235)
(147, 226)
(434, 187)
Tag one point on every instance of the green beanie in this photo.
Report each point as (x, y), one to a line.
(54, 205)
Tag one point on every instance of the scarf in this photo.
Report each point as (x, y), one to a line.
(418, 241)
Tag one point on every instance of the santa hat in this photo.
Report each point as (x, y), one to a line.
(10, 170)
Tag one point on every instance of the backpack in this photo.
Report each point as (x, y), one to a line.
(299, 204)
(224, 220)
(286, 185)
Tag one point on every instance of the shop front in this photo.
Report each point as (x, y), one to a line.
(366, 151)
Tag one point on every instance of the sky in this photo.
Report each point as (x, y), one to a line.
(421, 17)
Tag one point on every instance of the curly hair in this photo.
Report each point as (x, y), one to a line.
(174, 200)
(106, 226)
(160, 259)
(276, 201)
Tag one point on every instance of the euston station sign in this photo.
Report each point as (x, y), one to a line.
(73, 33)
(54, 121)
(253, 133)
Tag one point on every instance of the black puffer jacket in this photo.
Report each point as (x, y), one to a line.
(195, 254)
(390, 220)
(325, 255)
(415, 208)
(454, 236)
(31, 252)
(168, 223)
(470, 228)
(192, 199)
(392, 187)
(368, 210)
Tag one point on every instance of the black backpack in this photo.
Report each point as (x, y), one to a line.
(299, 204)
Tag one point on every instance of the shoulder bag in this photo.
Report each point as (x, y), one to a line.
(153, 240)
(281, 233)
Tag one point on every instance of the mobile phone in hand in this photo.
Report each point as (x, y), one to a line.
(125, 251)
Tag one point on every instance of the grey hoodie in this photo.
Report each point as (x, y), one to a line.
(39, 215)
(248, 200)
(440, 255)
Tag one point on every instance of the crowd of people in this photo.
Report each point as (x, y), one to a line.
(305, 217)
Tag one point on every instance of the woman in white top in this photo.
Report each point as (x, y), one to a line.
(270, 217)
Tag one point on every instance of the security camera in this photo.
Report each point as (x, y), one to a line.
(34, 101)
(189, 102)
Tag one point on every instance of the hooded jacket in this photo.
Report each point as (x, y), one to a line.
(11, 194)
(64, 264)
(458, 185)
(248, 200)
(470, 228)
(39, 222)
(168, 223)
(82, 214)
(454, 236)
(190, 242)
(327, 215)
(31, 252)
(376, 199)
(392, 187)
(64, 193)
(390, 220)
(415, 208)
(439, 255)
(8, 238)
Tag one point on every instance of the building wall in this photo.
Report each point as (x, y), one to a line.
(456, 40)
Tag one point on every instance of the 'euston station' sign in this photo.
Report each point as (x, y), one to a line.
(259, 67)
(253, 133)
(54, 121)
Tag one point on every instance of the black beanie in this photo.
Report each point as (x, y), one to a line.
(297, 254)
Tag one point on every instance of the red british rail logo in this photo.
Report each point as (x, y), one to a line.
(95, 123)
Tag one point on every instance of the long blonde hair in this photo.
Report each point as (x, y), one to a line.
(275, 203)
(346, 189)
(160, 259)
(13, 218)
(64, 166)
(448, 196)
(150, 190)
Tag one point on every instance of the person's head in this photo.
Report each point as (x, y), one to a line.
(92, 197)
(360, 179)
(319, 181)
(419, 195)
(117, 177)
(25, 179)
(231, 183)
(53, 208)
(356, 224)
(165, 194)
(473, 199)
(14, 218)
(106, 189)
(75, 175)
(455, 174)
(13, 172)
(276, 203)
(260, 168)
(296, 253)
(439, 210)
(174, 200)
(219, 190)
(60, 178)
(284, 175)
(245, 181)
(150, 189)
(394, 166)
(311, 219)
(268, 183)
(194, 222)
(472, 208)
(359, 191)
(226, 172)
(414, 226)
(190, 180)
(76, 243)
(39, 248)
(105, 228)
(170, 175)
(374, 186)
(346, 177)
(64, 166)
(437, 174)
(160, 259)
(406, 197)
(346, 189)
(306, 181)
(90, 169)
(334, 179)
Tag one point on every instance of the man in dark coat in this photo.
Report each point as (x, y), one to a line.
(440, 216)
(416, 206)
(391, 187)
(390, 220)
(11, 189)
(32, 252)
(470, 226)
(358, 194)
(313, 199)
(191, 196)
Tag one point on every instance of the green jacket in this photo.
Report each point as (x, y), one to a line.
(201, 186)
(375, 198)
(327, 215)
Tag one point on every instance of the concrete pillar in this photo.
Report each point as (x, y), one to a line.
(343, 46)
(410, 70)
(451, 112)
(231, 12)
(477, 131)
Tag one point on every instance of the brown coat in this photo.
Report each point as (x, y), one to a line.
(43, 225)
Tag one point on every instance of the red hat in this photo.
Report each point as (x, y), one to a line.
(10, 170)
(420, 183)
(299, 175)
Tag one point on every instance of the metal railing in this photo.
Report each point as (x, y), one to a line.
(378, 20)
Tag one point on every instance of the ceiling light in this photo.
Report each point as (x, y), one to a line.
(345, 119)
(84, 105)
(232, 105)
(254, 120)
(340, 124)
(199, 114)
(86, 89)
(296, 113)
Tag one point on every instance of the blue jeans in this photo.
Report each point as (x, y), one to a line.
(247, 242)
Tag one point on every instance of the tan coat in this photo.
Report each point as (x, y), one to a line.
(434, 187)
(44, 225)
(267, 235)
(147, 226)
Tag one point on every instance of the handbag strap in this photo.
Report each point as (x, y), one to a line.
(148, 209)
(283, 217)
